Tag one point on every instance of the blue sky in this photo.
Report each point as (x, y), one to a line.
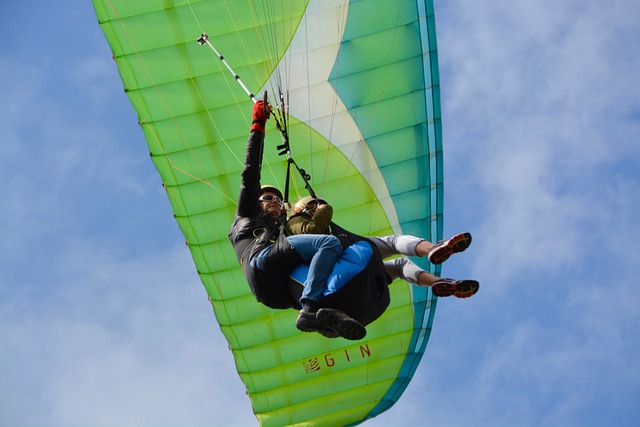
(104, 322)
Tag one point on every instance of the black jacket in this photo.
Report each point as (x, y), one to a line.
(253, 230)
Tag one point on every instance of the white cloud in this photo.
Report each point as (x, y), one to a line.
(532, 92)
(118, 343)
(540, 113)
(93, 332)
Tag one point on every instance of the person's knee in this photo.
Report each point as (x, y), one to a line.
(334, 243)
(404, 269)
(407, 245)
(330, 243)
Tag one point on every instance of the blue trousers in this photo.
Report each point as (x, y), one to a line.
(321, 251)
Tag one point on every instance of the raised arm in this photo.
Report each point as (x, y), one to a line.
(250, 177)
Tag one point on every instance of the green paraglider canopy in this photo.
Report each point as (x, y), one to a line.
(360, 93)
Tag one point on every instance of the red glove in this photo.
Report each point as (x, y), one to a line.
(259, 117)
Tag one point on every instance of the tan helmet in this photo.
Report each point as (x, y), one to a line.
(271, 189)
(302, 204)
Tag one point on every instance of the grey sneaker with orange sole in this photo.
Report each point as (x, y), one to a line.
(443, 249)
(457, 288)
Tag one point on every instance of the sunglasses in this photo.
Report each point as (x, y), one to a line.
(269, 198)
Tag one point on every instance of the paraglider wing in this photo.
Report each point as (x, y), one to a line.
(360, 80)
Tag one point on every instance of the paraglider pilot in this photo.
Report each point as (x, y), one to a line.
(267, 255)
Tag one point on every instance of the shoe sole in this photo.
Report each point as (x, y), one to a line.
(459, 289)
(321, 329)
(454, 245)
(346, 327)
(327, 333)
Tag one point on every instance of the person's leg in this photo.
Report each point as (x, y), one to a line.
(405, 269)
(398, 244)
(260, 260)
(414, 246)
(321, 251)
